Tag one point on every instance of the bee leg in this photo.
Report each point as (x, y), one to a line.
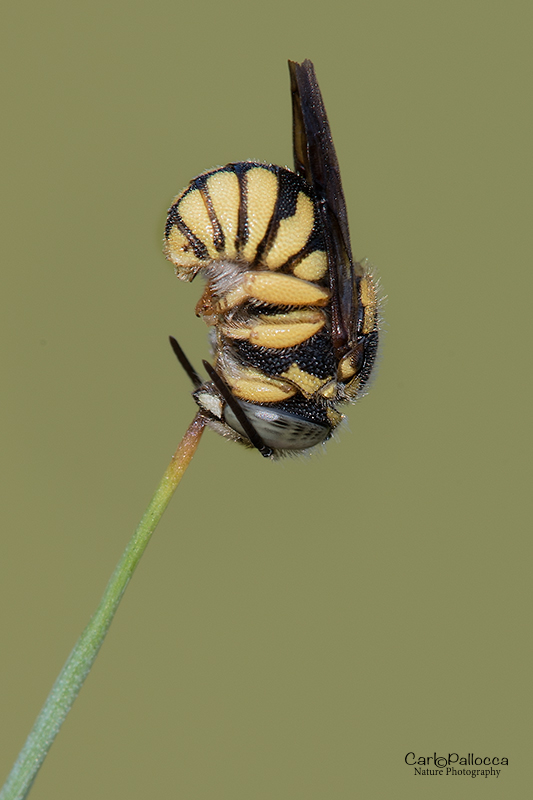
(185, 363)
(236, 407)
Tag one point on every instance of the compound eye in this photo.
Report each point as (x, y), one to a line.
(279, 429)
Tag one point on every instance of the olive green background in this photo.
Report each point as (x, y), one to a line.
(294, 629)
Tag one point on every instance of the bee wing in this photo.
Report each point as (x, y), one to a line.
(315, 160)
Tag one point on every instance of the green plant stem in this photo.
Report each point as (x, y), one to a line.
(80, 661)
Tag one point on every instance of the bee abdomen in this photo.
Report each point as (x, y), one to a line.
(255, 233)
(259, 215)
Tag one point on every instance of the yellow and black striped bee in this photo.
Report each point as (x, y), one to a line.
(294, 320)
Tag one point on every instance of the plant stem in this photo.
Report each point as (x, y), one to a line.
(77, 667)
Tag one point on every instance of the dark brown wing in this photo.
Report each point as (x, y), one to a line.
(315, 160)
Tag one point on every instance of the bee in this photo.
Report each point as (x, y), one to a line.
(293, 318)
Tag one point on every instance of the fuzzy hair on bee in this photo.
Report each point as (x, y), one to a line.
(293, 318)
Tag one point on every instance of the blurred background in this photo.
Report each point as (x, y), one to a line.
(294, 629)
